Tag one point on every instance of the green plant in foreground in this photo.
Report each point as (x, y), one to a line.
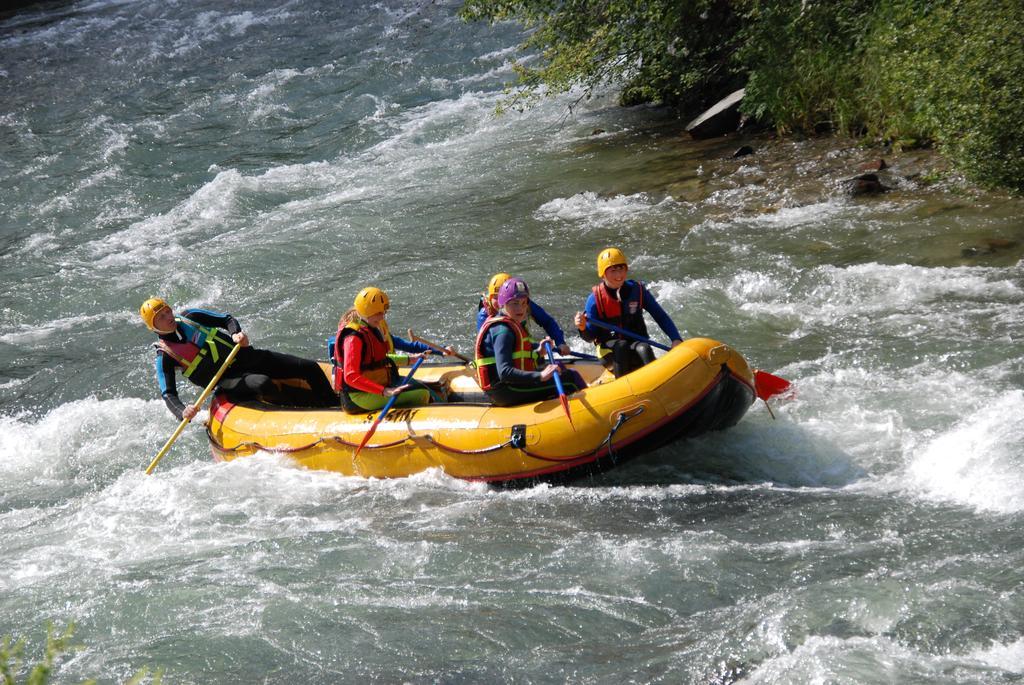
(11, 658)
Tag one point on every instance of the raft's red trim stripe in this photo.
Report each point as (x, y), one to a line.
(566, 465)
(221, 408)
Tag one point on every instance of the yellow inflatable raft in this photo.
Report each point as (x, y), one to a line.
(699, 386)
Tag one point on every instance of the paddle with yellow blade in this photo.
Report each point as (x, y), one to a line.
(387, 408)
(202, 398)
(558, 384)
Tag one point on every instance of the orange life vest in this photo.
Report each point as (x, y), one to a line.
(523, 357)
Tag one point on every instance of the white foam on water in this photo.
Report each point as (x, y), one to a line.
(838, 213)
(503, 71)
(891, 299)
(68, 31)
(799, 453)
(262, 99)
(502, 54)
(38, 243)
(590, 210)
(1007, 657)
(75, 436)
(182, 509)
(206, 213)
(29, 334)
(979, 462)
(813, 215)
(822, 660)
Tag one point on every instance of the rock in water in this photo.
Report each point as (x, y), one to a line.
(865, 184)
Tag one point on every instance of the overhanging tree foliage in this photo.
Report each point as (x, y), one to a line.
(904, 71)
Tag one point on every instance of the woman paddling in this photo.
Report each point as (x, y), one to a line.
(488, 307)
(366, 360)
(506, 360)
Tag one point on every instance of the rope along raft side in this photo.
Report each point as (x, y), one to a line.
(699, 386)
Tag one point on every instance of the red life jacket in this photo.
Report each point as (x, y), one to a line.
(523, 357)
(627, 314)
(377, 345)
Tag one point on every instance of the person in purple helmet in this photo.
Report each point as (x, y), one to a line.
(507, 360)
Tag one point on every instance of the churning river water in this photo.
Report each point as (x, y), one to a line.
(271, 158)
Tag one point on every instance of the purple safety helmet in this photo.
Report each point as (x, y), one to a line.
(511, 289)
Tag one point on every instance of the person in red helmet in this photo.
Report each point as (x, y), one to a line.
(506, 360)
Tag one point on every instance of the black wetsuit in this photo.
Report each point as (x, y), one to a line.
(251, 375)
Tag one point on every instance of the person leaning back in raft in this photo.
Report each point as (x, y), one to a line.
(488, 307)
(366, 360)
(621, 301)
(198, 340)
(506, 360)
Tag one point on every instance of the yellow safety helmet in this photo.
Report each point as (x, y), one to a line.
(494, 285)
(149, 309)
(611, 256)
(371, 301)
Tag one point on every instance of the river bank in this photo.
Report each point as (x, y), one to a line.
(763, 174)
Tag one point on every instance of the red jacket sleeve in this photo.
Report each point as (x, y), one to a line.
(354, 377)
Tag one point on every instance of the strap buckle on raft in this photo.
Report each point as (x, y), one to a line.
(518, 438)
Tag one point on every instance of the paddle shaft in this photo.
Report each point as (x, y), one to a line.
(202, 398)
(551, 360)
(628, 334)
(558, 384)
(387, 407)
(435, 346)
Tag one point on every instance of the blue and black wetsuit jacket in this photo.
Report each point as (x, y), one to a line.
(537, 313)
(196, 348)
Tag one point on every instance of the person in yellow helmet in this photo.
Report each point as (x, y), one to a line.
(621, 301)
(507, 364)
(488, 307)
(196, 342)
(366, 357)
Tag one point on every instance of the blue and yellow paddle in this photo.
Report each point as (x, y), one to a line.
(387, 407)
(629, 334)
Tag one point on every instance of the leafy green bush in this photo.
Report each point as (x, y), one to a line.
(661, 50)
(10, 656)
(953, 73)
(914, 72)
(803, 61)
